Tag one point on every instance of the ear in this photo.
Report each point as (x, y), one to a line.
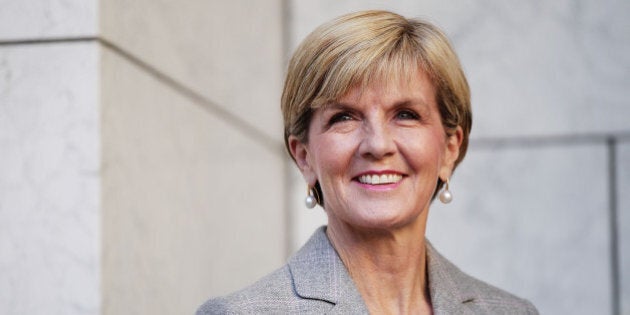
(302, 157)
(451, 153)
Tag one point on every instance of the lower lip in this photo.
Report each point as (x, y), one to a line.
(380, 187)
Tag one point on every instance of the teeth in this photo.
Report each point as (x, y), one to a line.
(384, 178)
(376, 180)
(380, 179)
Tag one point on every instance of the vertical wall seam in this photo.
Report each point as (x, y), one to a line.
(614, 244)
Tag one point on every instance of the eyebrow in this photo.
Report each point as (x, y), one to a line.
(333, 105)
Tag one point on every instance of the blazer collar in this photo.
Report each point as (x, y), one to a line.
(449, 287)
(318, 273)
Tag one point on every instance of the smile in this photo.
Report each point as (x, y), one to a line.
(382, 179)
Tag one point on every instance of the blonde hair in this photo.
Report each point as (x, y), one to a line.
(359, 48)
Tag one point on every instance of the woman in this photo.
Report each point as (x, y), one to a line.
(377, 116)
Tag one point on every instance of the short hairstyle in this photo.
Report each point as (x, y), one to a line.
(359, 48)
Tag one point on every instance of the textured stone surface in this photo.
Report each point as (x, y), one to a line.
(49, 183)
(228, 51)
(39, 19)
(542, 69)
(532, 220)
(535, 68)
(192, 208)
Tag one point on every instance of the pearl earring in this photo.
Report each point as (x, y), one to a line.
(310, 201)
(445, 195)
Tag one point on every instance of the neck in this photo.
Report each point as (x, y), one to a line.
(387, 266)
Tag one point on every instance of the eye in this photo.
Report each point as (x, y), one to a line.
(406, 114)
(340, 117)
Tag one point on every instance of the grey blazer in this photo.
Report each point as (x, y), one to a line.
(315, 281)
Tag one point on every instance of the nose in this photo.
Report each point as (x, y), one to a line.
(377, 141)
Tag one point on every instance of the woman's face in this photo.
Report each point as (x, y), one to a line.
(377, 154)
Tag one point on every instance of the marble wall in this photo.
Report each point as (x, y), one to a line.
(231, 56)
(193, 162)
(535, 208)
(182, 215)
(49, 161)
(142, 168)
(47, 19)
(49, 187)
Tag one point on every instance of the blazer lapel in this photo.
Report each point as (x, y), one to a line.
(318, 273)
(448, 286)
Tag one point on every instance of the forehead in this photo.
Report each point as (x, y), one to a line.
(402, 86)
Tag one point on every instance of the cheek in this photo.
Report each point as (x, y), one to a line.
(424, 150)
(330, 156)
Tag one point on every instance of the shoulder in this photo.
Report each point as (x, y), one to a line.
(273, 293)
(273, 287)
(453, 291)
(489, 299)
(304, 285)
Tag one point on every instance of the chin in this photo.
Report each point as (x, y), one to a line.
(381, 220)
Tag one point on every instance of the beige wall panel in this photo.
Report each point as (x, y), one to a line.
(533, 220)
(191, 207)
(228, 51)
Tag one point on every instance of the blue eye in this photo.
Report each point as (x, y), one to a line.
(340, 117)
(407, 114)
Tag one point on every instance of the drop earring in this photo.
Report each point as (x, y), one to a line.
(310, 201)
(445, 195)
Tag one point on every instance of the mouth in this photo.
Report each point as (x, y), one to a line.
(379, 179)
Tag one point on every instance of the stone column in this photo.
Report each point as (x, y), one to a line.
(142, 168)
